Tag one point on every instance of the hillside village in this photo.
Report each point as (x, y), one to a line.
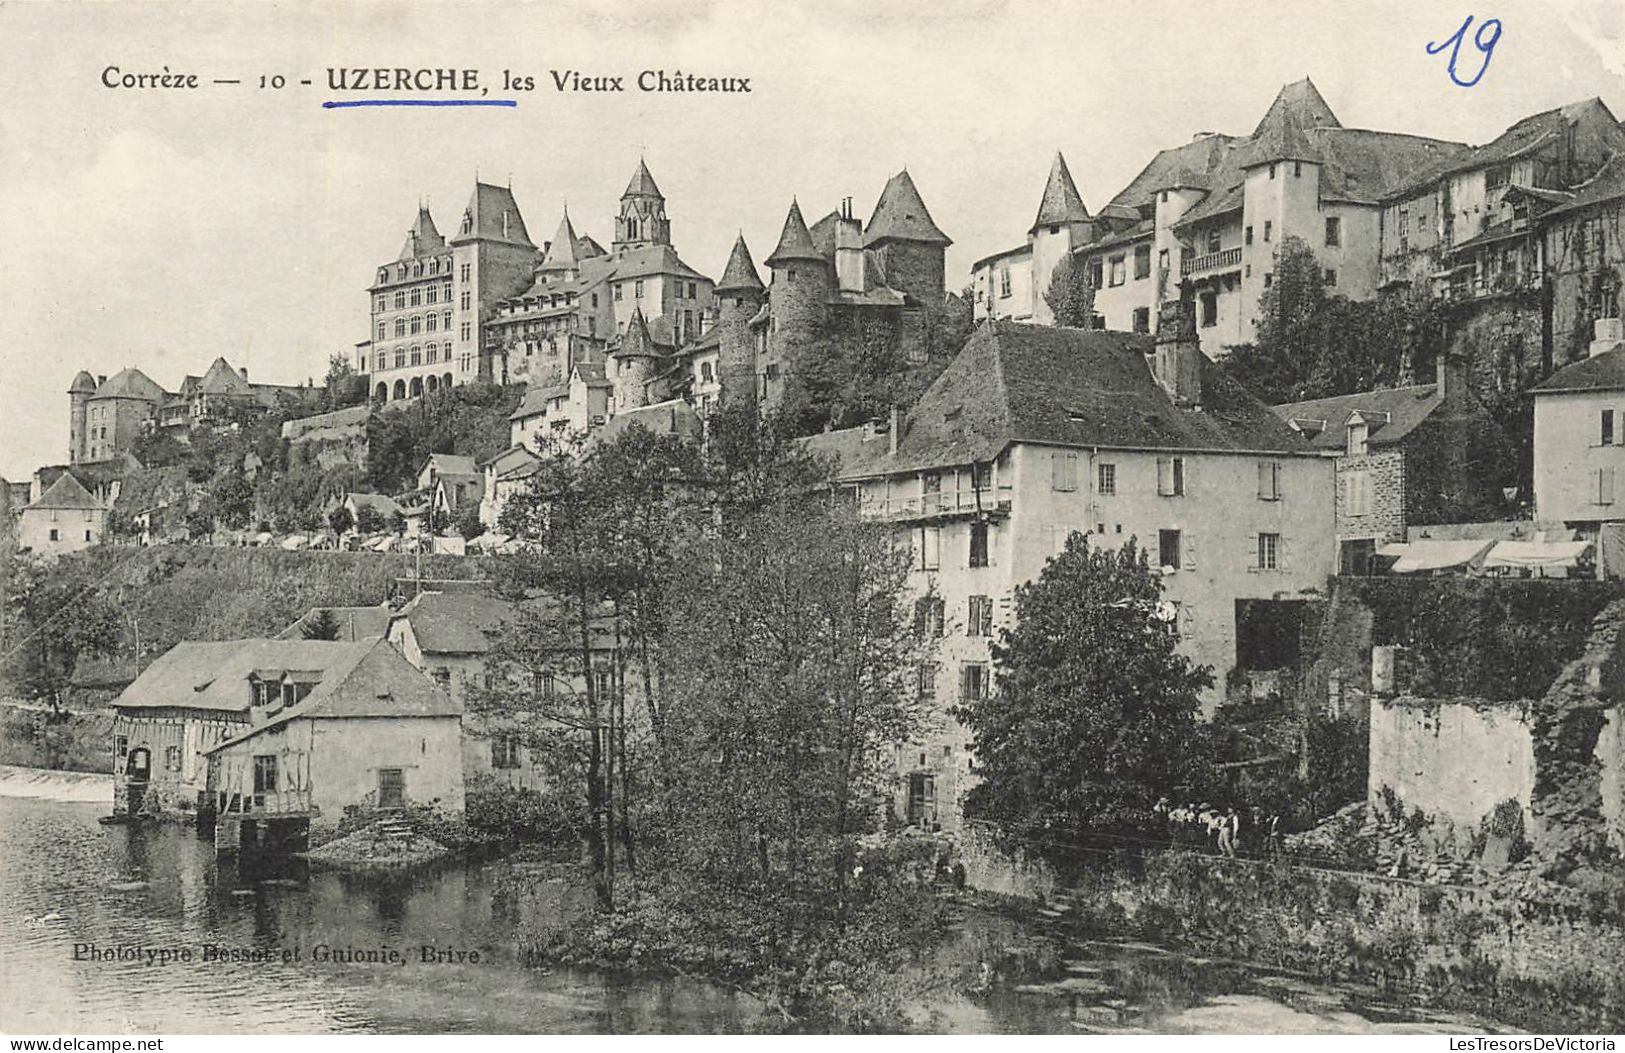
(1299, 533)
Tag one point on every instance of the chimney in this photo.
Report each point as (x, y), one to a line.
(1177, 364)
(1607, 333)
(848, 250)
(101, 378)
(244, 372)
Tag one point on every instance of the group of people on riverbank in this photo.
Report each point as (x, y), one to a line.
(1227, 831)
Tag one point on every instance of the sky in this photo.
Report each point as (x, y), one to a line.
(161, 229)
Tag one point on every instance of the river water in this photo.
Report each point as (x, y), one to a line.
(68, 884)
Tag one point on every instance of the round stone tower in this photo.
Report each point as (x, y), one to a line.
(79, 392)
(740, 295)
(632, 364)
(803, 282)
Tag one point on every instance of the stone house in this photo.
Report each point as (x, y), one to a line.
(360, 732)
(1034, 433)
(503, 475)
(1404, 457)
(65, 518)
(574, 407)
(195, 696)
(1580, 446)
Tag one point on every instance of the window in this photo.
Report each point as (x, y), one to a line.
(415, 326)
(1267, 277)
(1168, 549)
(1142, 319)
(172, 758)
(979, 620)
(618, 291)
(1331, 276)
(978, 545)
(464, 272)
(1214, 244)
(972, 680)
(1142, 262)
(1269, 551)
(265, 773)
(468, 300)
(1171, 476)
(1107, 484)
(927, 680)
(445, 318)
(383, 330)
(391, 786)
(1247, 235)
(1297, 169)
(1334, 231)
(1272, 176)
(87, 535)
(431, 322)
(929, 615)
(1004, 283)
(1269, 480)
(1063, 470)
(400, 327)
(56, 535)
(1268, 224)
(1359, 438)
(505, 750)
(416, 299)
(927, 548)
(1607, 427)
(637, 289)
(1095, 273)
(1119, 270)
(400, 300)
(1496, 175)
(1210, 310)
(1356, 492)
(1604, 485)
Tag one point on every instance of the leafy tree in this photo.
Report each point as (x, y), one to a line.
(343, 386)
(340, 520)
(234, 500)
(368, 520)
(159, 449)
(1094, 713)
(55, 613)
(1071, 295)
(323, 625)
(469, 524)
(199, 523)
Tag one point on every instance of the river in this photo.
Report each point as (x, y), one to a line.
(67, 882)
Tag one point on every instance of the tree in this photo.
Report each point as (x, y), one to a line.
(1094, 713)
(468, 522)
(1071, 295)
(55, 612)
(341, 521)
(343, 386)
(368, 520)
(322, 625)
(199, 524)
(234, 500)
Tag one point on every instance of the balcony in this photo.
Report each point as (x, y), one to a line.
(1223, 260)
(944, 504)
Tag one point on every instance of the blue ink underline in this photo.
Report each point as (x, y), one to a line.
(350, 104)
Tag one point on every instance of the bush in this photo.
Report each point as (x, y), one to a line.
(521, 815)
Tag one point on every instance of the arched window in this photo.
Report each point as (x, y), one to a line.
(382, 392)
(445, 316)
(417, 386)
(431, 321)
(400, 327)
(445, 380)
(400, 389)
(400, 357)
(400, 299)
(417, 270)
(431, 294)
(432, 384)
(417, 324)
(417, 355)
(361, 363)
(416, 299)
(434, 268)
(383, 330)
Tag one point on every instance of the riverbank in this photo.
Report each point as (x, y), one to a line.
(33, 737)
(1540, 960)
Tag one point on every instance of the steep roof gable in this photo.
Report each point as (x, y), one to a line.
(740, 274)
(1599, 372)
(423, 238)
(131, 383)
(1061, 202)
(562, 250)
(795, 241)
(901, 215)
(66, 493)
(492, 215)
(642, 183)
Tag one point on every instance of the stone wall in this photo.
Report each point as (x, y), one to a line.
(1455, 760)
(1384, 517)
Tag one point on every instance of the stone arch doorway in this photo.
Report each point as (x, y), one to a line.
(400, 389)
(382, 394)
(417, 386)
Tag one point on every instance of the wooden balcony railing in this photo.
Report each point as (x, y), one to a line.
(1213, 261)
(941, 503)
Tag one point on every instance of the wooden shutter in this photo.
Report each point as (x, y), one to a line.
(1605, 486)
(1187, 550)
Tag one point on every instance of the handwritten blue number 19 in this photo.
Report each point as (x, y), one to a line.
(1491, 27)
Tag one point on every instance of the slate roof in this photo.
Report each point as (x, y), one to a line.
(494, 216)
(795, 241)
(131, 383)
(672, 417)
(1015, 383)
(1607, 185)
(451, 464)
(1191, 164)
(213, 675)
(380, 682)
(646, 260)
(1283, 133)
(1404, 409)
(642, 183)
(740, 274)
(1061, 202)
(1529, 133)
(423, 239)
(508, 459)
(356, 624)
(901, 215)
(1600, 372)
(221, 379)
(381, 503)
(454, 622)
(83, 382)
(535, 402)
(66, 493)
(561, 251)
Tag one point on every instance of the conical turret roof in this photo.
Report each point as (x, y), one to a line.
(637, 340)
(901, 215)
(1061, 202)
(642, 184)
(795, 242)
(1282, 133)
(423, 238)
(561, 251)
(84, 383)
(740, 274)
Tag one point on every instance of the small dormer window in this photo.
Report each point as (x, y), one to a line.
(1359, 438)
